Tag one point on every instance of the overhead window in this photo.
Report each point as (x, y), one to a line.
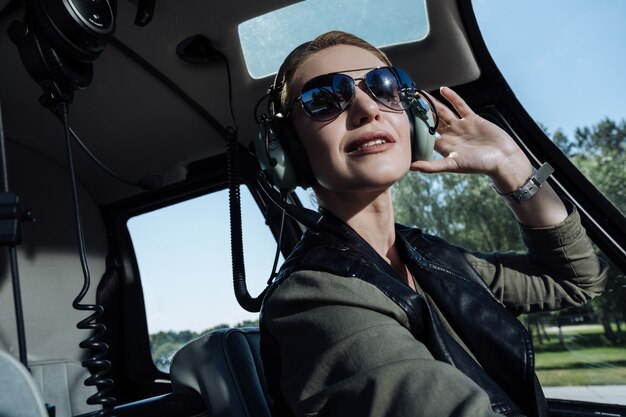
(266, 40)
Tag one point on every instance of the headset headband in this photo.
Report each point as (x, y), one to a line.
(275, 107)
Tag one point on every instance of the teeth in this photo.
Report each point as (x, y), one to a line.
(371, 143)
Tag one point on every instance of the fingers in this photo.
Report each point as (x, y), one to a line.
(446, 115)
(456, 101)
(437, 165)
(447, 144)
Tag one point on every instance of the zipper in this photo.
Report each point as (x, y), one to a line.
(527, 342)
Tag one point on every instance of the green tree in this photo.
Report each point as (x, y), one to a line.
(463, 209)
(600, 153)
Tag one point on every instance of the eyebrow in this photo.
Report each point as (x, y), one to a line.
(350, 70)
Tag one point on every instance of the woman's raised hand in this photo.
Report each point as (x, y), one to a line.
(471, 144)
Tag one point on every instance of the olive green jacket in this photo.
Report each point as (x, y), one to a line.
(343, 347)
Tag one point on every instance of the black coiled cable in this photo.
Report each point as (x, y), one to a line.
(244, 299)
(96, 364)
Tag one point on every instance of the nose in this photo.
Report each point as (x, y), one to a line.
(364, 107)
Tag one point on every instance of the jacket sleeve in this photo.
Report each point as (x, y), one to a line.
(346, 350)
(560, 268)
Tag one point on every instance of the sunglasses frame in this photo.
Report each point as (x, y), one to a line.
(415, 99)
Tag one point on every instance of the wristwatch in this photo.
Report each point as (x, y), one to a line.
(531, 186)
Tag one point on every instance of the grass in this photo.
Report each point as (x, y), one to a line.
(572, 377)
(580, 329)
(576, 338)
(583, 359)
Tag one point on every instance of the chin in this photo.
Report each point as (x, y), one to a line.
(383, 177)
(368, 178)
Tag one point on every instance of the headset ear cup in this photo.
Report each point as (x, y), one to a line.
(293, 162)
(281, 156)
(422, 141)
(294, 152)
(273, 159)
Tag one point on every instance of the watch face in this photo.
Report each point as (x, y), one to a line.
(96, 14)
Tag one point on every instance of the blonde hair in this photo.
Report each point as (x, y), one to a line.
(302, 53)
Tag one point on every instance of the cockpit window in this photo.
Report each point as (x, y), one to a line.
(267, 39)
(564, 61)
(184, 259)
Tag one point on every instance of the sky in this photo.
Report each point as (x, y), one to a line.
(564, 59)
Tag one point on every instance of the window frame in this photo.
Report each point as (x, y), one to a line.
(133, 370)
(492, 97)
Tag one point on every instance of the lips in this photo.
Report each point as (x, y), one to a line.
(369, 141)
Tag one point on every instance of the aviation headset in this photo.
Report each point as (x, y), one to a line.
(59, 39)
(282, 156)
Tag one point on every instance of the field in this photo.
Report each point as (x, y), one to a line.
(584, 358)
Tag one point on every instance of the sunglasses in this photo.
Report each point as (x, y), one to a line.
(325, 97)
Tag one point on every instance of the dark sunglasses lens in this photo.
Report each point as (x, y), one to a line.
(325, 97)
(391, 86)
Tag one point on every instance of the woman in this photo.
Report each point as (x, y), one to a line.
(369, 318)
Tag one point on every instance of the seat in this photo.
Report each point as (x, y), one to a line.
(18, 395)
(225, 367)
(62, 383)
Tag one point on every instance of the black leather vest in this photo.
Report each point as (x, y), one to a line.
(499, 342)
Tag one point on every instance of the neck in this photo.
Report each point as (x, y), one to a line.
(369, 214)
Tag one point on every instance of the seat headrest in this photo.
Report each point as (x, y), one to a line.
(225, 367)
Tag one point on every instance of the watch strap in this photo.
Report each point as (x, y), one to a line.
(531, 186)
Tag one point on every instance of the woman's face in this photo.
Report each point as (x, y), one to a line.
(366, 148)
